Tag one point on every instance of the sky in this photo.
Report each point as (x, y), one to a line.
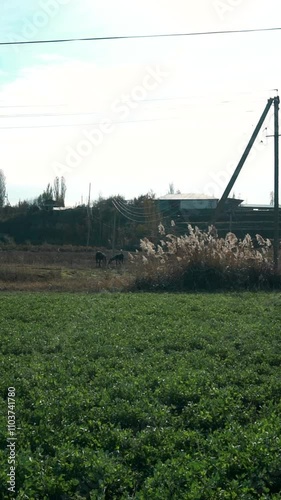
(135, 115)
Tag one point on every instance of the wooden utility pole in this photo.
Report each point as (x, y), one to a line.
(276, 183)
(114, 230)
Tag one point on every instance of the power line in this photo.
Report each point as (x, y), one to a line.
(227, 98)
(91, 124)
(146, 218)
(29, 105)
(126, 216)
(134, 210)
(102, 112)
(131, 37)
(131, 207)
(128, 213)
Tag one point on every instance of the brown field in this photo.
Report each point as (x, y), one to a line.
(48, 268)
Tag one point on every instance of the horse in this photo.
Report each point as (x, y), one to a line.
(100, 258)
(118, 258)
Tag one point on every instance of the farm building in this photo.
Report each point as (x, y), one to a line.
(198, 209)
(192, 202)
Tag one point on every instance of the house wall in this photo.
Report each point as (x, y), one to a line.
(198, 204)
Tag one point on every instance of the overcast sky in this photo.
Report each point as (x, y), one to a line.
(134, 115)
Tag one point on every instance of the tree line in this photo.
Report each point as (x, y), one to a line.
(112, 222)
(107, 223)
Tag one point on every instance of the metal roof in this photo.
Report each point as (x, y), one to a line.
(187, 196)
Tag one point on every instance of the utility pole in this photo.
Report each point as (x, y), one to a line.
(114, 230)
(230, 185)
(276, 183)
(220, 206)
(89, 216)
(276, 136)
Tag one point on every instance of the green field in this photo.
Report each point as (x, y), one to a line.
(142, 396)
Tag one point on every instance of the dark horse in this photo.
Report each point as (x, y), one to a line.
(100, 258)
(118, 258)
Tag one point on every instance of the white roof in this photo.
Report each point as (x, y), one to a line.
(187, 196)
(246, 205)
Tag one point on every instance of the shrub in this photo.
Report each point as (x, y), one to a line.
(203, 261)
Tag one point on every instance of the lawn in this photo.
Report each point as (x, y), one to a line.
(142, 396)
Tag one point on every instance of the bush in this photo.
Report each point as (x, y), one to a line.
(203, 261)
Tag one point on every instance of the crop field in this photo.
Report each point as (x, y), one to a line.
(141, 396)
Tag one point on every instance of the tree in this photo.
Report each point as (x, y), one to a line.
(2, 188)
(171, 188)
(45, 199)
(56, 188)
(62, 190)
(59, 189)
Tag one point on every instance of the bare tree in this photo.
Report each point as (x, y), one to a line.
(171, 188)
(56, 189)
(62, 190)
(59, 190)
(2, 188)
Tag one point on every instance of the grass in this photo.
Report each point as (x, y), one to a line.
(197, 261)
(137, 396)
(73, 270)
(41, 269)
(201, 261)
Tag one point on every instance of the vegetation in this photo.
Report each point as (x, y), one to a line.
(203, 261)
(143, 396)
(108, 221)
(37, 268)
(194, 262)
(2, 188)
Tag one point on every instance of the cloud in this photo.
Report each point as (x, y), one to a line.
(188, 138)
(51, 57)
(78, 84)
(68, 88)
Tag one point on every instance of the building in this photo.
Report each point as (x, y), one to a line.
(193, 202)
(198, 210)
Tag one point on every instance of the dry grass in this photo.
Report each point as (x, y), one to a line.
(69, 270)
(64, 279)
(203, 261)
(198, 261)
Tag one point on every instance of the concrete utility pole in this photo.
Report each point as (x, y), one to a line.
(276, 136)
(220, 206)
(221, 203)
(276, 183)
